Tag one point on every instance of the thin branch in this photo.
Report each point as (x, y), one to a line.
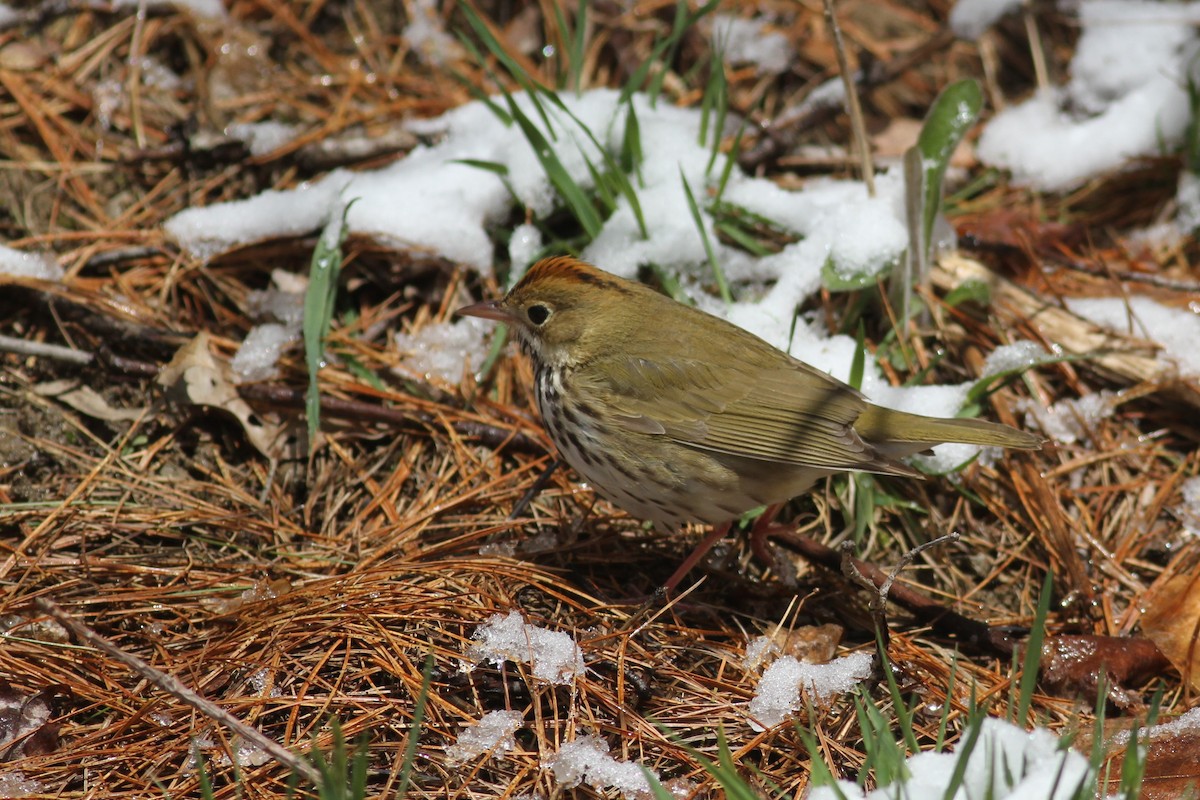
(174, 687)
(857, 125)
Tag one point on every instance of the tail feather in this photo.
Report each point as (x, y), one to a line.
(896, 430)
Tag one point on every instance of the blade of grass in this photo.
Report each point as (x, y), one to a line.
(858, 363)
(523, 78)
(319, 301)
(947, 123)
(614, 169)
(571, 192)
(414, 730)
(722, 284)
(664, 52)
(1033, 651)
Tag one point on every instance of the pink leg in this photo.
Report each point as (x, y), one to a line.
(761, 532)
(714, 536)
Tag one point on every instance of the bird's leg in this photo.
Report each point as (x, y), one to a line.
(714, 536)
(760, 545)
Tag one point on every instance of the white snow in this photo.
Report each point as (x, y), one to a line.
(778, 693)
(1020, 355)
(1006, 762)
(750, 41)
(523, 247)
(1176, 330)
(208, 9)
(1069, 420)
(758, 650)
(445, 351)
(1189, 510)
(1187, 196)
(203, 232)
(1187, 723)
(14, 784)
(283, 305)
(23, 264)
(587, 760)
(255, 360)
(426, 35)
(263, 137)
(553, 656)
(1125, 98)
(493, 734)
(970, 18)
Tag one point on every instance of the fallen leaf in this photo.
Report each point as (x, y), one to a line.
(1075, 665)
(86, 400)
(1172, 621)
(195, 377)
(1171, 767)
(814, 644)
(25, 727)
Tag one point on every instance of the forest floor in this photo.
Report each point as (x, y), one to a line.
(295, 586)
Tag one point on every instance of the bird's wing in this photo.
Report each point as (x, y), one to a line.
(786, 412)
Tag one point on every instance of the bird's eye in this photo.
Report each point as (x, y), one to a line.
(538, 313)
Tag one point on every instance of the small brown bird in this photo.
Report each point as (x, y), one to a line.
(676, 415)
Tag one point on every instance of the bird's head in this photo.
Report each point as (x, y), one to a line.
(558, 310)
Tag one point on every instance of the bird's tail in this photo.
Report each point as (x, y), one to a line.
(899, 433)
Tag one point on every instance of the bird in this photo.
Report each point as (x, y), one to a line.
(675, 415)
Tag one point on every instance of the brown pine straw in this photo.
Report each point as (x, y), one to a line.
(294, 592)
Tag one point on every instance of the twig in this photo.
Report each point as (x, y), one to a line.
(1036, 51)
(490, 435)
(174, 687)
(927, 611)
(55, 351)
(535, 489)
(780, 134)
(857, 126)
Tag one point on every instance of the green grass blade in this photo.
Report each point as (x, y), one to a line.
(859, 362)
(730, 161)
(722, 284)
(904, 715)
(664, 52)
(656, 789)
(718, 87)
(474, 90)
(319, 300)
(948, 121)
(414, 730)
(570, 191)
(631, 144)
(819, 773)
(523, 78)
(1033, 651)
(944, 722)
(962, 753)
(616, 172)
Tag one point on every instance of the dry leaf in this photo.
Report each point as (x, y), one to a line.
(1172, 769)
(1077, 665)
(86, 400)
(260, 591)
(25, 728)
(1172, 621)
(813, 644)
(195, 377)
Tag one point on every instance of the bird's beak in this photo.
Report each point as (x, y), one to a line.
(489, 309)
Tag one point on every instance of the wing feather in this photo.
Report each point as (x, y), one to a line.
(786, 412)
